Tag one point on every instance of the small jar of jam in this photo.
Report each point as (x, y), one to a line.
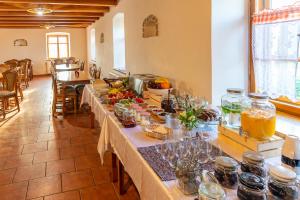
(282, 183)
(129, 120)
(254, 163)
(251, 187)
(226, 171)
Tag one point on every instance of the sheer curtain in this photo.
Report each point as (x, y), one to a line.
(275, 54)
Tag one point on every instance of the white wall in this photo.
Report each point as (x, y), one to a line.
(36, 49)
(229, 46)
(183, 49)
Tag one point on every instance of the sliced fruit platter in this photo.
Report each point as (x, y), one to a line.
(116, 94)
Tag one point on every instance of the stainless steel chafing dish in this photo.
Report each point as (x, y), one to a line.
(138, 82)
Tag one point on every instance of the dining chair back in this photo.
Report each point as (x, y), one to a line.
(30, 68)
(10, 80)
(12, 63)
(24, 72)
(59, 61)
(82, 64)
(71, 60)
(9, 91)
(4, 68)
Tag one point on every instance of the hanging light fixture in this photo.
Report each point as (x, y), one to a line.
(40, 11)
(47, 26)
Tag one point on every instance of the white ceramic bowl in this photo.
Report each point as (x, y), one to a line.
(160, 92)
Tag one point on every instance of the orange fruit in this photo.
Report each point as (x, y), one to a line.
(165, 85)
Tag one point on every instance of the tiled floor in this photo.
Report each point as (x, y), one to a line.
(43, 158)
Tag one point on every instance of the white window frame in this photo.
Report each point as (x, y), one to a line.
(57, 35)
(119, 49)
(93, 44)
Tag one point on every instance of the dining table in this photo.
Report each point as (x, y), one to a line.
(66, 67)
(72, 78)
(125, 144)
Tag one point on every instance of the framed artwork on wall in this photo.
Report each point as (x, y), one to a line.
(150, 27)
(20, 42)
(102, 37)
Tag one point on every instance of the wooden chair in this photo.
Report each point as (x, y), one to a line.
(30, 68)
(3, 68)
(71, 60)
(61, 96)
(12, 63)
(23, 73)
(82, 64)
(79, 90)
(59, 61)
(10, 91)
(92, 70)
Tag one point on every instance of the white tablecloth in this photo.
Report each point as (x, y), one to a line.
(125, 143)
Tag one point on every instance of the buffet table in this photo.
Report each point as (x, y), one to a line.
(125, 142)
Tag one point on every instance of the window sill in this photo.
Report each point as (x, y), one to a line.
(120, 71)
(287, 108)
(287, 124)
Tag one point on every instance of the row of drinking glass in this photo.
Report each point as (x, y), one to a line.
(192, 152)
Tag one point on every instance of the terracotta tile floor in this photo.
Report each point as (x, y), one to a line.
(46, 159)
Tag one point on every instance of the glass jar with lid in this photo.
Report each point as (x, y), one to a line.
(282, 183)
(258, 119)
(251, 187)
(253, 162)
(188, 176)
(129, 120)
(231, 105)
(226, 172)
(211, 191)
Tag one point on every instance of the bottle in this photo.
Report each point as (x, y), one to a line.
(258, 118)
(231, 105)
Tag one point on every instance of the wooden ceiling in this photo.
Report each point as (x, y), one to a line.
(66, 13)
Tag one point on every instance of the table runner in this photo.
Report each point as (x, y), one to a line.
(125, 143)
(163, 169)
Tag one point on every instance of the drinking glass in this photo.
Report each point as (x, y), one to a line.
(172, 154)
(202, 153)
(214, 151)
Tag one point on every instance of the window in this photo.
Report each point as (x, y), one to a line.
(275, 4)
(93, 44)
(58, 45)
(276, 53)
(119, 42)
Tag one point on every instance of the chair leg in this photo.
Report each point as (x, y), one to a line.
(53, 108)
(75, 104)
(21, 92)
(3, 108)
(17, 102)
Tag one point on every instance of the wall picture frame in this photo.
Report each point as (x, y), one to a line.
(150, 26)
(20, 42)
(102, 38)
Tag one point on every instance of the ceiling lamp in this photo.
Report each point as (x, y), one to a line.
(40, 11)
(47, 26)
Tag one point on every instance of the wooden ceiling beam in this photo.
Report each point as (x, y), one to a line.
(38, 27)
(56, 9)
(63, 14)
(54, 18)
(47, 22)
(66, 2)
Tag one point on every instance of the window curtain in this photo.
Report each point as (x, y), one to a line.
(275, 51)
